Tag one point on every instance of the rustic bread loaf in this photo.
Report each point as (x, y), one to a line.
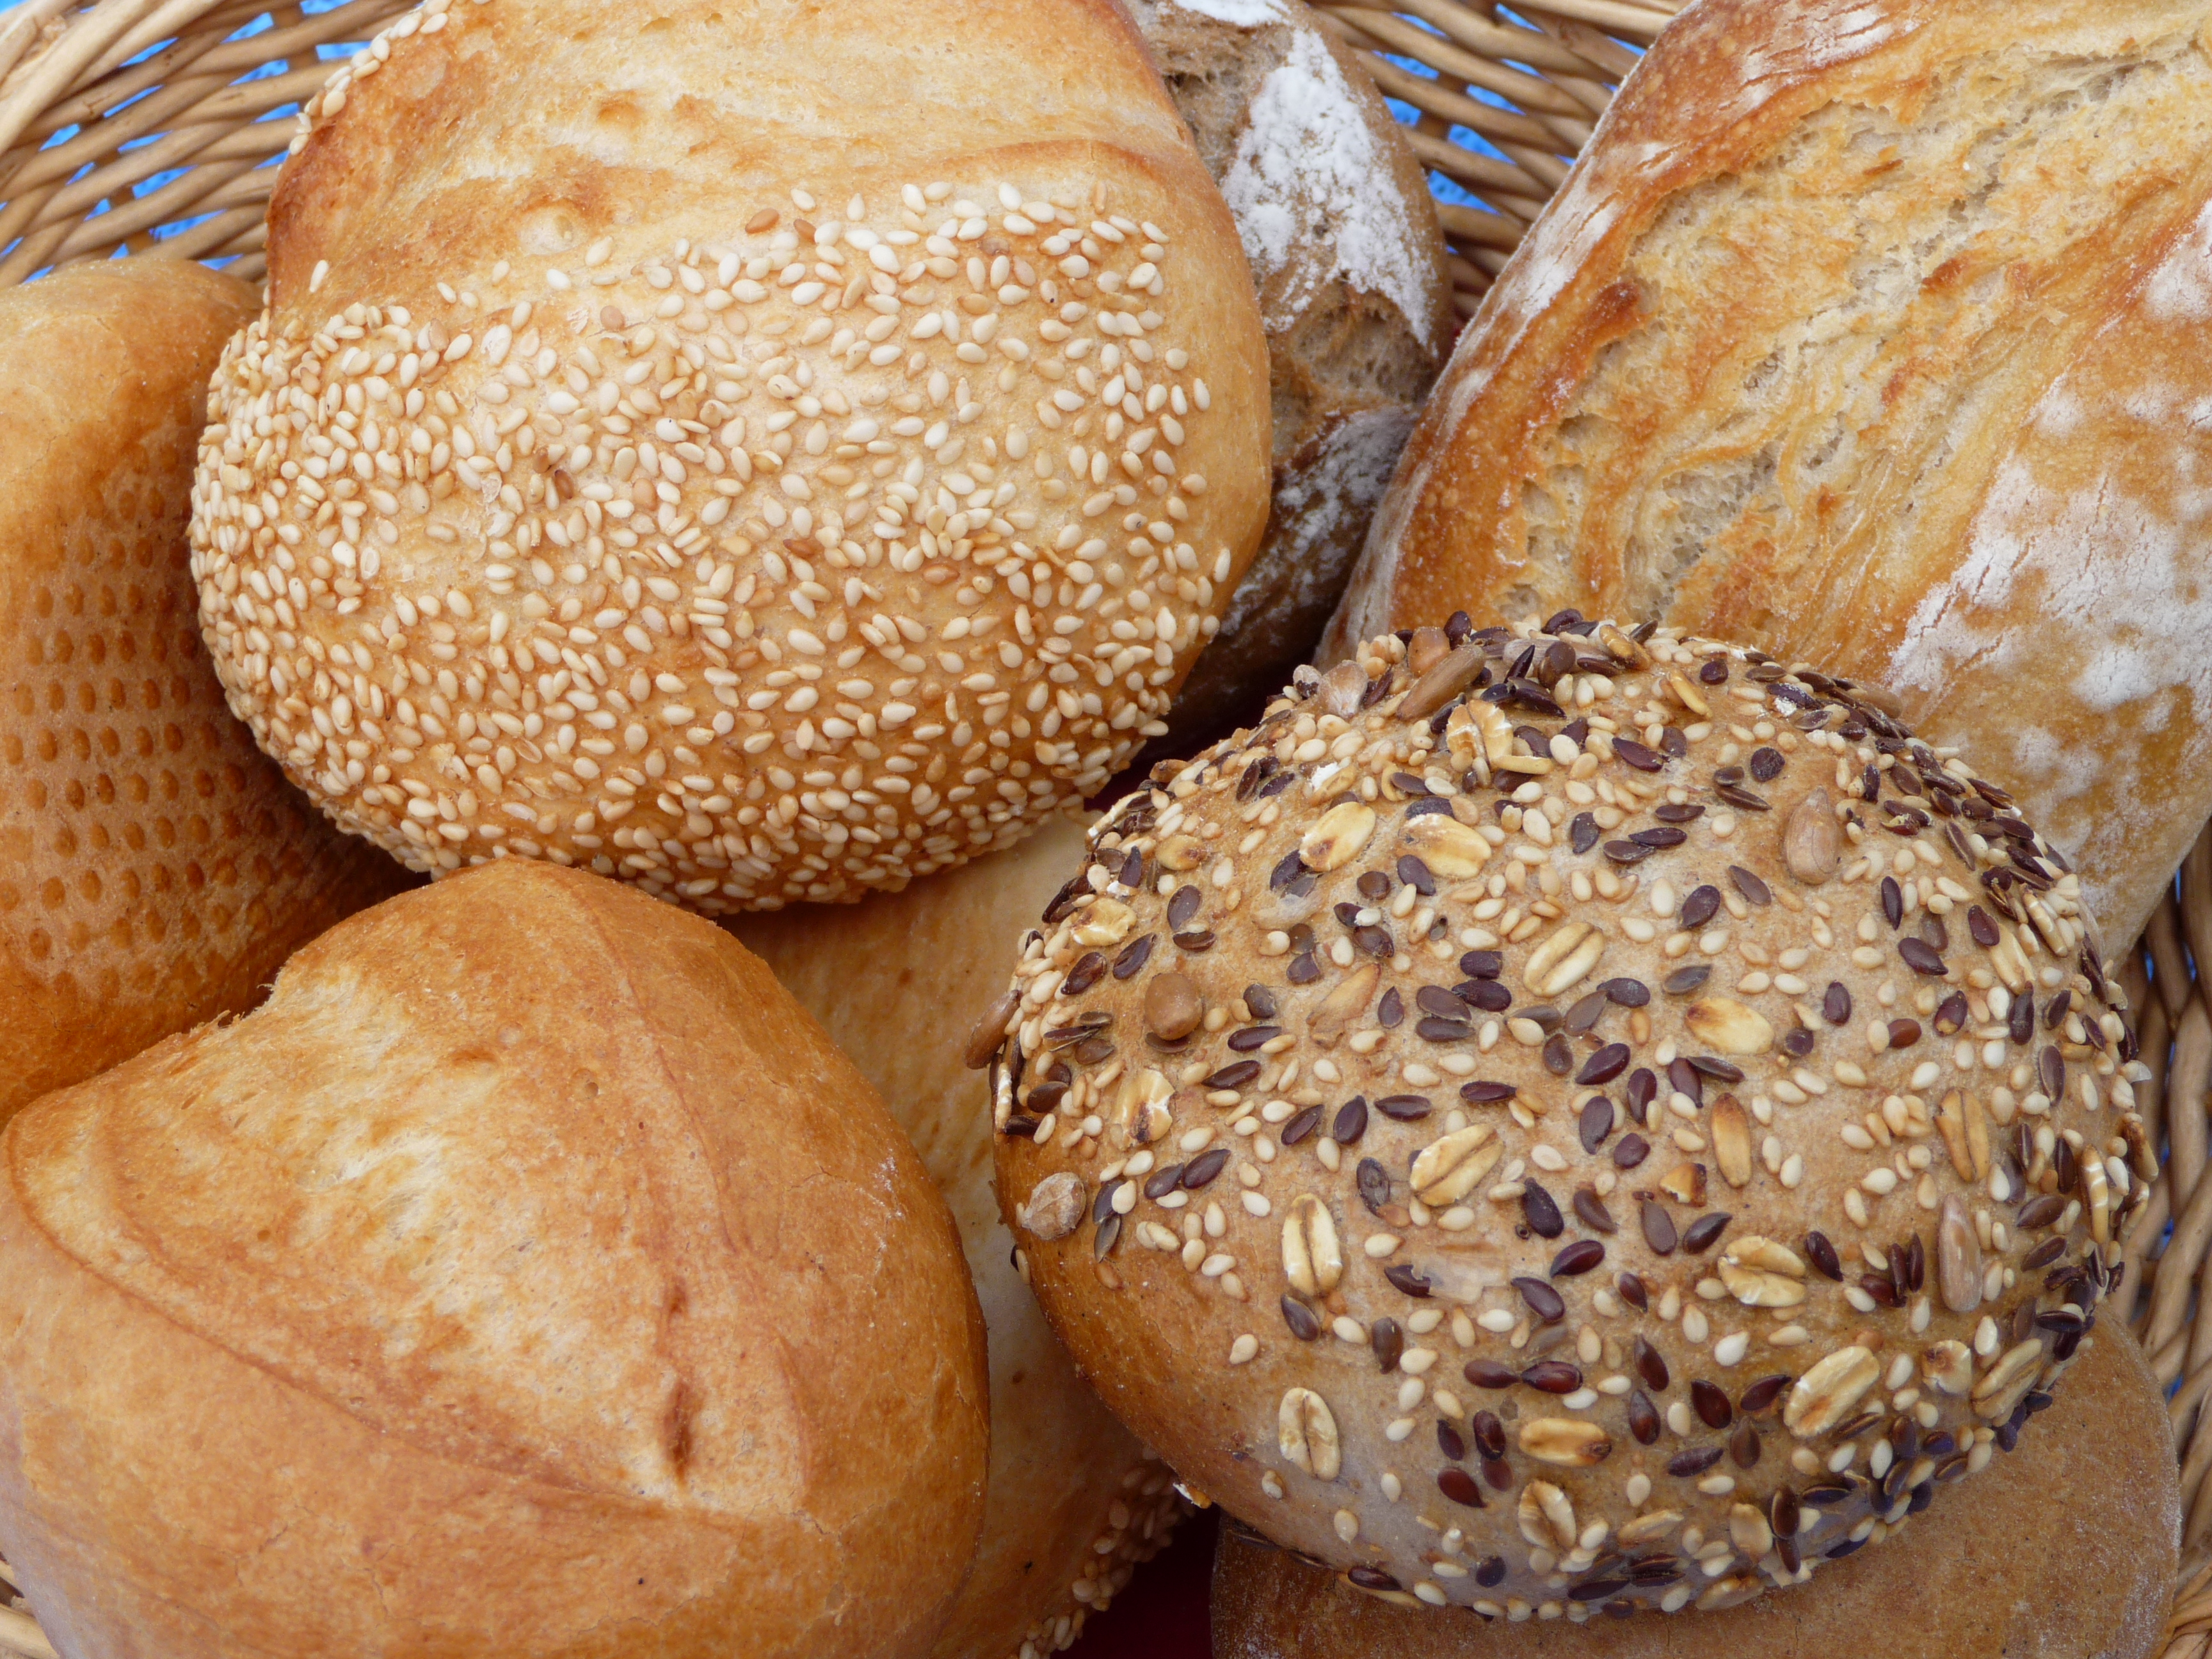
(1336, 219)
(529, 1275)
(1559, 1120)
(898, 981)
(765, 453)
(154, 868)
(2065, 1551)
(1870, 331)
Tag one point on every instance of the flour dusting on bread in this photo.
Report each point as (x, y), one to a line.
(1307, 160)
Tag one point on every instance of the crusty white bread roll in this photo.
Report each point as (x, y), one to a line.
(1871, 332)
(1570, 1121)
(2065, 1550)
(528, 1276)
(761, 451)
(1336, 218)
(898, 982)
(154, 868)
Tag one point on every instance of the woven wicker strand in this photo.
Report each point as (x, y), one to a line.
(170, 79)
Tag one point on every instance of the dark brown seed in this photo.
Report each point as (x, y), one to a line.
(1669, 812)
(1488, 1374)
(1763, 1394)
(1373, 885)
(1373, 942)
(1482, 964)
(1389, 1340)
(1432, 1030)
(1920, 956)
(1552, 1377)
(1459, 1486)
(1743, 1446)
(1643, 1089)
(1651, 1366)
(2042, 1212)
(1302, 1126)
(1579, 1257)
(1783, 1513)
(1480, 1093)
(1586, 1014)
(1823, 1255)
(1765, 765)
(1659, 1229)
(1904, 1033)
(1713, 671)
(1701, 907)
(1541, 1212)
(1161, 1182)
(1404, 1109)
(1626, 851)
(1981, 927)
(1836, 1005)
(1235, 1075)
(1683, 981)
(2019, 1020)
(1636, 755)
(1591, 1591)
(1747, 799)
(1108, 1235)
(1373, 1578)
(1201, 1170)
(1558, 1057)
(1303, 969)
(1487, 995)
(1683, 1465)
(1893, 901)
(1492, 1573)
(1246, 1038)
(1489, 1434)
(1089, 968)
(1583, 832)
(1374, 1182)
(1195, 942)
(1102, 1206)
(1606, 1064)
(1594, 1122)
(1134, 957)
(1666, 835)
(2043, 1254)
(1406, 1279)
(1543, 1301)
(1686, 1079)
(1182, 907)
(1797, 1042)
(1305, 1323)
(1351, 1121)
(2052, 1066)
(1642, 1417)
(1711, 1404)
(1630, 1150)
(1390, 1012)
(1952, 1014)
(1754, 890)
(1435, 999)
(1450, 1442)
(1633, 1293)
(1626, 993)
(1592, 1211)
(1417, 875)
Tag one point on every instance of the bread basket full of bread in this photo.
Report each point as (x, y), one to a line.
(811, 815)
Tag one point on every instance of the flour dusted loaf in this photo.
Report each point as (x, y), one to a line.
(2065, 1550)
(899, 980)
(154, 869)
(760, 452)
(1558, 1120)
(528, 1276)
(1870, 331)
(1336, 218)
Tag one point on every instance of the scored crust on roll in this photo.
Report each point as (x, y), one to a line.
(1074, 1501)
(1550, 1119)
(156, 869)
(1355, 294)
(2066, 1549)
(528, 1275)
(1872, 330)
(760, 452)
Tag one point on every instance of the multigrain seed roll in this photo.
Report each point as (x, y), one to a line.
(2066, 1549)
(528, 1275)
(156, 869)
(1073, 1502)
(1559, 1119)
(1337, 220)
(761, 453)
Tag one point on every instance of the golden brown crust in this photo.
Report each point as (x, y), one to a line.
(836, 434)
(154, 868)
(527, 1224)
(1774, 1143)
(1862, 334)
(2066, 1549)
(899, 980)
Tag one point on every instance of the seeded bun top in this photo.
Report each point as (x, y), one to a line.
(1554, 1118)
(762, 454)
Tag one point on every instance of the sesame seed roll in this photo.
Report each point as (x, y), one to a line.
(1557, 1118)
(761, 452)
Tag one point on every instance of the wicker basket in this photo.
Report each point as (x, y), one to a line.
(156, 127)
